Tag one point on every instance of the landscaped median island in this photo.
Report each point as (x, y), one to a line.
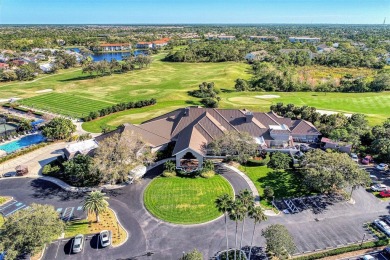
(108, 221)
(185, 200)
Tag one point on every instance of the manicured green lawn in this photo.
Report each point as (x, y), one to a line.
(185, 200)
(77, 94)
(286, 184)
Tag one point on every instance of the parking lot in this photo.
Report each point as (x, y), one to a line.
(377, 255)
(62, 249)
(66, 213)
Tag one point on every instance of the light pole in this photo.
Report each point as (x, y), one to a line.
(364, 236)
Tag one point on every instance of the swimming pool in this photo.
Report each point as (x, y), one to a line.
(22, 143)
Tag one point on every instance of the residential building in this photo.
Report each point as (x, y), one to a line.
(114, 47)
(220, 37)
(323, 48)
(191, 129)
(264, 38)
(304, 39)
(287, 51)
(154, 44)
(344, 147)
(83, 147)
(144, 45)
(46, 67)
(256, 56)
(4, 66)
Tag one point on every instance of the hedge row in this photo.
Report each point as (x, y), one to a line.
(342, 250)
(22, 109)
(22, 152)
(119, 107)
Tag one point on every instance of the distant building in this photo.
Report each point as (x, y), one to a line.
(114, 47)
(220, 37)
(46, 67)
(4, 66)
(154, 44)
(344, 147)
(264, 38)
(324, 48)
(304, 39)
(256, 56)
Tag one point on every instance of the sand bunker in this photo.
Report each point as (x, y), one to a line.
(329, 112)
(268, 96)
(44, 90)
(9, 99)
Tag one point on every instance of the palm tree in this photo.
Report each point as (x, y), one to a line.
(257, 214)
(236, 213)
(248, 202)
(95, 202)
(223, 203)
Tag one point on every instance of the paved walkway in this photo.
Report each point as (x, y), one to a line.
(35, 160)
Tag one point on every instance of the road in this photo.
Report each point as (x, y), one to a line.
(337, 224)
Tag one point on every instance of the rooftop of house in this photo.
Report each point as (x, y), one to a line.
(113, 44)
(83, 146)
(330, 141)
(194, 127)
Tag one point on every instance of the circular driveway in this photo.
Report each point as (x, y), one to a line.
(146, 233)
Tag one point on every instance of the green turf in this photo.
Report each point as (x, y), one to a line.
(65, 104)
(75, 93)
(286, 184)
(185, 200)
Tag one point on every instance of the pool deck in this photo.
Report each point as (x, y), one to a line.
(34, 160)
(17, 138)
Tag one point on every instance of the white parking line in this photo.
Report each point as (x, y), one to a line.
(8, 205)
(58, 247)
(15, 210)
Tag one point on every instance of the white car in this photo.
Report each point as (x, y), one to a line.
(354, 157)
(379, 187)
(382, 167)
(78, 243)
(105, 238)
(382, 226)
(368, 257)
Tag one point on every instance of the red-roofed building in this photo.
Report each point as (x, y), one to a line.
(4, 66)
(155, 44)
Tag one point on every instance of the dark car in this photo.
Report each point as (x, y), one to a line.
(367, 159)
(386, 251)
(8, 174)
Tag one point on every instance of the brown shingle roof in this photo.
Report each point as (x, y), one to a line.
(304, 128)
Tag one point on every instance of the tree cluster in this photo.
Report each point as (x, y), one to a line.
(209, 94)
(58, 129)
(119, 107)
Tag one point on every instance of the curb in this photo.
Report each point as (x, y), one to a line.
(120, 224)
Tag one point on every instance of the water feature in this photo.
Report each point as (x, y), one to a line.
(22, 143)
(108, 56)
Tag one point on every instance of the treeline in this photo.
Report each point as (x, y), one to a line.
(268, 77)
(104, 67)
(354, 129)
(211, 51)
(119, 107)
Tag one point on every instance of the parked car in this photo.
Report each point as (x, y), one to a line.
(387, 219)
(382, 167)
(368, 257)
(354, 157)
(386, 251)
(379, 187)
(385, 193)
(105, 238)
(304, 147)
(367, 159)
(382, 226)
(78, 243)
(8, 174)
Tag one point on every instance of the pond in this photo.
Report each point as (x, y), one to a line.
(22, 143)
(99, 56)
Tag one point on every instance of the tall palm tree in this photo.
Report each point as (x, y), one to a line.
(248, 202)
(257, 214)
(223, 203)
(95, 202)
(236, 213)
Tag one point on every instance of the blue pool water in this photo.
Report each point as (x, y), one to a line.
(22, 142)
(108, 56)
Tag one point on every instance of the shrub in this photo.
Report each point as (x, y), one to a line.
(170, 166)
(49, 169)
(268, 192)
(208, 165)
(207, 174)
(168, 174)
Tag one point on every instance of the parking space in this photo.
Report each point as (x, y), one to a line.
(316, 204)
(315, 236)
(62, 249)
(377, 255)
(11, 207)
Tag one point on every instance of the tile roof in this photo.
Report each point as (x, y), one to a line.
(193, 127)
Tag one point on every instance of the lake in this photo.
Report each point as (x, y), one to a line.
(111, 55)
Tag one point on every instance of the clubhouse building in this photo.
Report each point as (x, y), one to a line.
(191, 129)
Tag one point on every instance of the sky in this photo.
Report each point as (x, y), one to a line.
(193, 11)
